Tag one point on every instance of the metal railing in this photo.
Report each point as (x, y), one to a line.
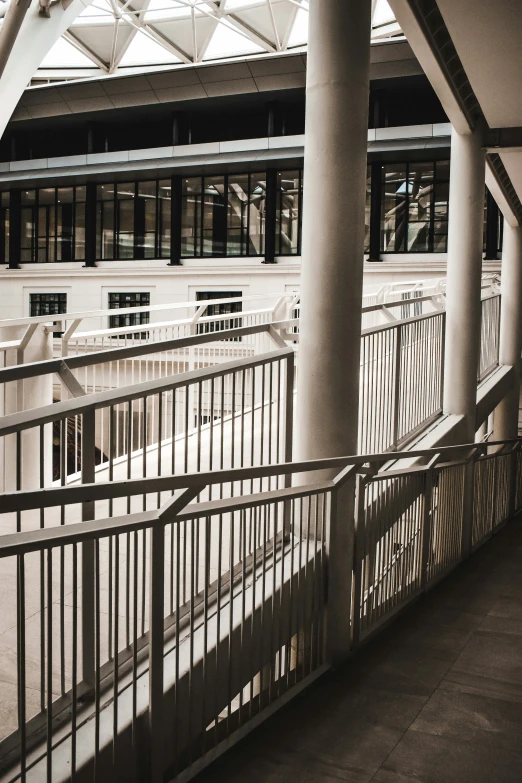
(489, 336)
(205, 615)
(179, 417)
(233, 414)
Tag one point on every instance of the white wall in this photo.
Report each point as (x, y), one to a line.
(87, 289)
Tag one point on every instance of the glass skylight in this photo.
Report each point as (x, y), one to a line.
(119, 35)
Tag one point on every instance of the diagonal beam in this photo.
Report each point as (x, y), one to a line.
(34, 38)
(78, 44)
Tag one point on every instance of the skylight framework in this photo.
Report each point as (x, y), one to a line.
(112, 36)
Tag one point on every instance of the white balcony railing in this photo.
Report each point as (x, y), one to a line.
(205, 614)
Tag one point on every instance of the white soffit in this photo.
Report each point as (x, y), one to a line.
(487, 36)
(512, 160)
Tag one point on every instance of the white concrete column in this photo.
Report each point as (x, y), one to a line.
(510, 348)
(337, 90)
(463, 308)
(333, 227)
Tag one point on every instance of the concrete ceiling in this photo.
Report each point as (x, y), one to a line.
(488, 37)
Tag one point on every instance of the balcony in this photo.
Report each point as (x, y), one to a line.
(168, 569)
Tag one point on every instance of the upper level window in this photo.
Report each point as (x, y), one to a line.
(122, 300)
(288, 212)
(47, 304)
(53, 225)
(4, 227)
(223, 215)
(414, 207)
(133, 220)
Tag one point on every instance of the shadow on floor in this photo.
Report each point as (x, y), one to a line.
(435, 698)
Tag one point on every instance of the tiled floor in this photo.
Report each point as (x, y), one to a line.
(436, 698)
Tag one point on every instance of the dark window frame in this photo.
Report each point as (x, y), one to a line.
(279, 212)
(117, 301)
(436, 181)
(228, 308)
(51, 242)
(221, 223)
(39, 298)
(162, 247)
(5, 216)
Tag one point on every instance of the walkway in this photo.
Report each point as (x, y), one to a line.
(436, 698)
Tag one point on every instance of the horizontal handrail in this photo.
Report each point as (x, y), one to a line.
(157, 325)
(81, 315)
(83, 493)
(41, 538)
(49, 366)
(34, 417)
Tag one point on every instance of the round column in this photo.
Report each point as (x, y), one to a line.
(464, 269)
(336, 135)
(337, 91)
(510, 349)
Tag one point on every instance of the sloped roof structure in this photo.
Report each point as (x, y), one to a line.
(111, 36)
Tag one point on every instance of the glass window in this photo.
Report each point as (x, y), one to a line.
(122, 300)
(65, 224)
(28, 217)
(238, 209)
(224, 215)
(440, 209)
(105, 221)
(414, 207)
(214, 217)
(146, 217)
(4, 227)
(53, 225)
(393, 208)
(288, 213)
(420, 202)
(164, 214)
(47, 304)
(79, 223)
(257, 215)
(191, 216)
(367, 209)
(125, 193)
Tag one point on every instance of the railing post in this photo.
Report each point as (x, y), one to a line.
(512, 482)
(289, 435)
(397, 389)
(88, 450)
(426, 527)
(156, 650)
(339, 546)
(442, 363)
(467, 507)
(358, 554)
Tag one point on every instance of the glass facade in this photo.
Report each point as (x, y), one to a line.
(133, 220)
(223, 215)
(414, 207)
(53, 225)
(257, 215)
(4, 227)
